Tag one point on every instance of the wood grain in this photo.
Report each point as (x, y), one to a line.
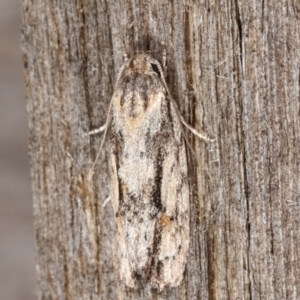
(233, 68)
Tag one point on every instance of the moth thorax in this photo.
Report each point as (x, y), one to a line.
(140, 64)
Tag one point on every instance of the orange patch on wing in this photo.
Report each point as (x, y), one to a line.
(165, 222)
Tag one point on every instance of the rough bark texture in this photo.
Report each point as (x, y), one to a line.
(233, 68)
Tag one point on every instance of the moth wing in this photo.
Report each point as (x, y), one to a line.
(173, 224)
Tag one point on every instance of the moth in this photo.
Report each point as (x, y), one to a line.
(149, 174)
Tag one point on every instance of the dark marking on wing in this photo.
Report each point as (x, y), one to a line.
(156, 194)
(155, 247)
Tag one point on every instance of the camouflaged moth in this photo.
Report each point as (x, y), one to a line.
(149, 172)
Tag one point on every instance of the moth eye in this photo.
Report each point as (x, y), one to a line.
(155, 69)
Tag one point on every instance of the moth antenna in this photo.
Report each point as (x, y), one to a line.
(156, 62)
(164, 57)
(108, 119)
(125, 57)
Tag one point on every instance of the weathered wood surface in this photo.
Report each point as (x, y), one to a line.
(233, 68)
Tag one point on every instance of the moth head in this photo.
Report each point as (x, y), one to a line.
(145, 63)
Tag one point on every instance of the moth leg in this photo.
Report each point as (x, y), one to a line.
(97, 130)
(195, 132)
(100, 129)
